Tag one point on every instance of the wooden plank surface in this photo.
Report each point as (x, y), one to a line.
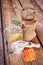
(6, 20)
(25, 3)
(1, 45)
(12, 11)
(38, 51)
(39, 27)
(40, 3)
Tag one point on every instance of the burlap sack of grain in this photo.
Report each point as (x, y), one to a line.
(29, 32)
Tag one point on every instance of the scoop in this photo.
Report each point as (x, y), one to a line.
(30, 45)
(18, 46)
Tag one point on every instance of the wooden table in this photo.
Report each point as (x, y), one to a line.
(1, 43)
(11, 9)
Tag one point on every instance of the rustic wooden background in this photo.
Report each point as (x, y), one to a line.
(11, 9)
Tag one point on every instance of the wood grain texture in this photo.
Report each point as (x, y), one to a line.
(39, 26)
(1, 45)
(26, 4)
(12, 9)
(40, 3)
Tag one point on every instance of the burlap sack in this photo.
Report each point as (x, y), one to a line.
(29, 32)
